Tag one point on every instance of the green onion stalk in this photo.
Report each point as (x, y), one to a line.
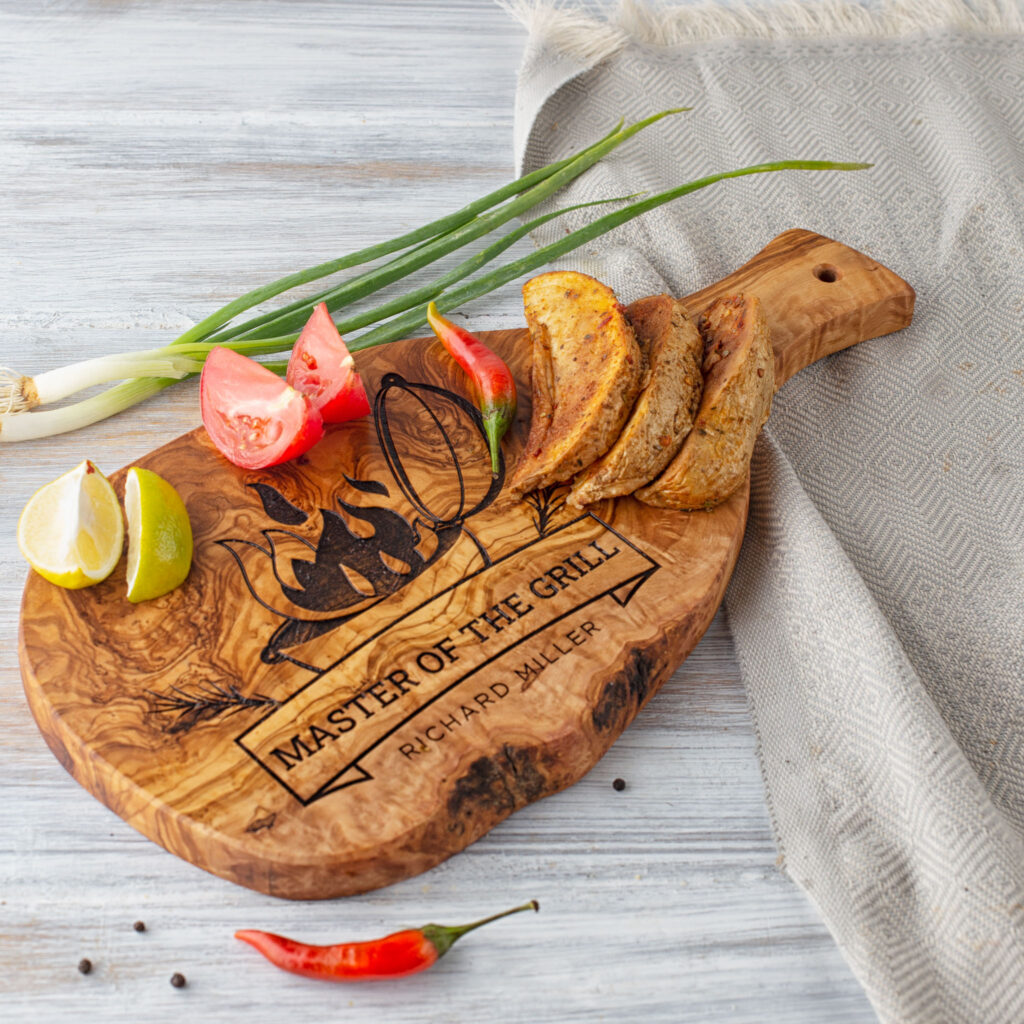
(182, 359)
(146, 373)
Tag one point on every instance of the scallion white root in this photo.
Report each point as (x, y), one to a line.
(56, 385)
(30, 426)
(17, 392)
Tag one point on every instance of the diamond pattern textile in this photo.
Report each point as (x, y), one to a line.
(878, 605)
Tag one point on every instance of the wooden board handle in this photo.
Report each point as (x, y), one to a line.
(819, 297)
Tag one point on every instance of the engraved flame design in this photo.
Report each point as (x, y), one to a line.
(371, 551)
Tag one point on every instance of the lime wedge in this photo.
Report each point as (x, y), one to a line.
(71, 531)
(159, 536)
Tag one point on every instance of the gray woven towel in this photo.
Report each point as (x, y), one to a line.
(878, 605)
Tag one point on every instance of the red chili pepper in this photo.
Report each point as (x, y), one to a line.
(492, 380)
(394, 956)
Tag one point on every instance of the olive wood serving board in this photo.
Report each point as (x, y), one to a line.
(378, 654)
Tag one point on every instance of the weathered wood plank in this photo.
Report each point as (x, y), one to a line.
(138, 190)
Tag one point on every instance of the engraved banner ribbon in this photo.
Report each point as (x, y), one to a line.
(313, 742)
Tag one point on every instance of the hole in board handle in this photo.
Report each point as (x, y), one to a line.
(827, 273)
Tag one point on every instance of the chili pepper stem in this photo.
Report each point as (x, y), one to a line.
(443, 937)
(495, 425)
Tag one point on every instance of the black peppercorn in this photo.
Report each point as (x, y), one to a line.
(84, 965)
(139, 926)
(619, 785)
(178, 979)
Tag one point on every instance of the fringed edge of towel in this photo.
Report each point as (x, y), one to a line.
(566, 30)
(590, 36)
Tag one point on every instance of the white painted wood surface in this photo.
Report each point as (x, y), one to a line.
(157, 159)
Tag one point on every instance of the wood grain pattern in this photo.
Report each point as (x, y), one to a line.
(378, 654)
(819, 297)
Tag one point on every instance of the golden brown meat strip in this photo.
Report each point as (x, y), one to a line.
(586, 375)
(663, 414)
(739, 381)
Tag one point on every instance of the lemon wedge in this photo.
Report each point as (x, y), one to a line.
(71, 531)
(159, 535)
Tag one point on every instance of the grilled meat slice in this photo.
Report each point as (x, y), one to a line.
(586, 375)
(662, 415)
(739, 381)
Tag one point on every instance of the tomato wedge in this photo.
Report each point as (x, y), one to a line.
(322, 367)
(253, 417)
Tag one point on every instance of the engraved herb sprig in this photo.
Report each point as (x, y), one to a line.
(546, 503)
(207, 701)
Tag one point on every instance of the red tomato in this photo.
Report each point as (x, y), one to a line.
(322, 367)
(253, 417)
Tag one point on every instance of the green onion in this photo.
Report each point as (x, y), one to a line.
(400, 326)
(19, 394)
(428, 231)
(422, 294)
(180, 360)
(365, 284)
(151, 371)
